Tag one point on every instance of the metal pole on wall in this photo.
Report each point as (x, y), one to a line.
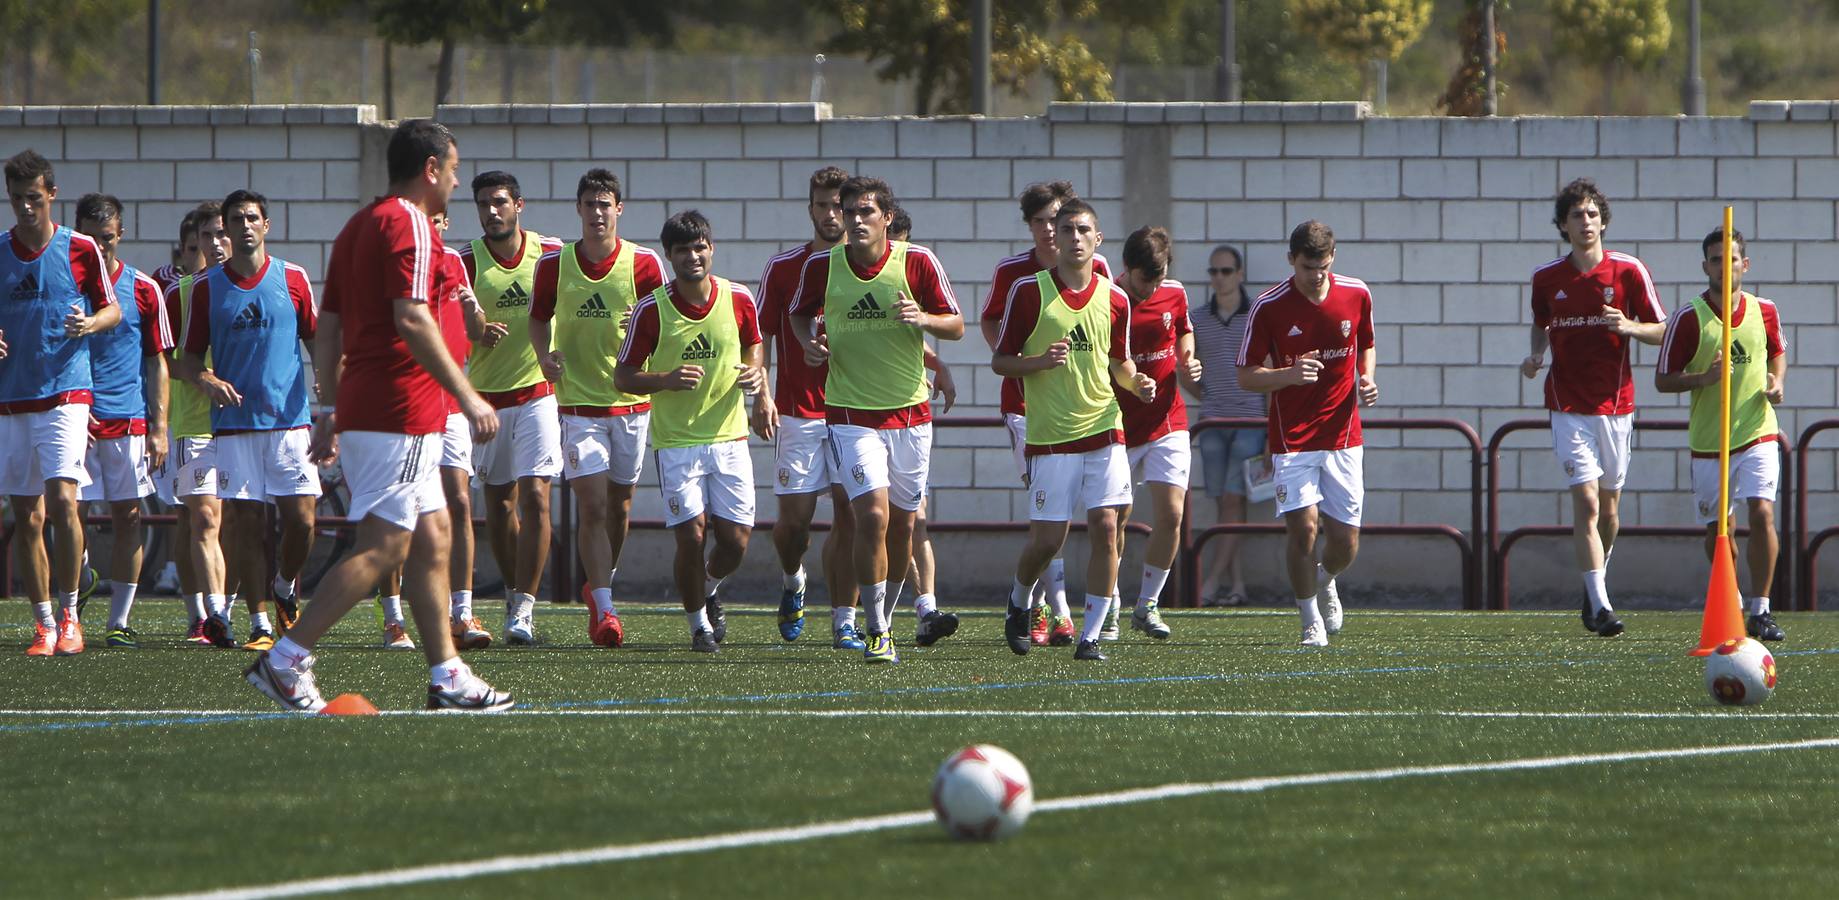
(389, 81)
(1694, 88)
(255, 69)
(1229, 52)
(1491, 99)
(153, 52)
(980, 57)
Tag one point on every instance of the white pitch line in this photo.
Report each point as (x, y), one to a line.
(647, 712)
(759, 837)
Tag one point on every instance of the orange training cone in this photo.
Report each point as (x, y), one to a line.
(349, 705)
(1723, 602)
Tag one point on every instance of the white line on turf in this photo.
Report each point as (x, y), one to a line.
(630, 712)
(622, 852)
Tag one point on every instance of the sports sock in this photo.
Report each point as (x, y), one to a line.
(891, 597)
(1020, 594)
(715, 584)
(284, 588)
(1312, 615)
(194, 604)
(43, 613)
(1037, 594)
(925, 605)
(462, 604)
(603, 600)
(259, 622)
(841, 616)
(447, 675)
(1759, 605)
(121, 601)
(699, 619)
(1596, 585)
(287, 654)
(795, 582)
(870, 597)
(521, 605)
(219, 605)
(1056, 588)
(392, 609)
(1096, 609)
(1154, 580)
(67, 599)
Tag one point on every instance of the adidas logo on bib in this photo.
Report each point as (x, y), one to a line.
(867, 308)
(249, 317)
(27, 289)
(515, 295)
(1079, 339)
(700, 348)
(593, 308)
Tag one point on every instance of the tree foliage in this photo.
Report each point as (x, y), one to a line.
(1467, 92)
(40, 32)
(930, 41)
(1634, 31)
(1361, 30)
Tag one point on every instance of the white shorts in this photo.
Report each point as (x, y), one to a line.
(1335, 480)
(117, 470)
(801, 454)
(257, 465)
(1754, 474)
(893, 459)
(611, 444)
(1018, 442)
(712, 478)
(36, 447)
(392, 476)
(1593, 448)
(1165, 459)
(528, 444)
(1061, 484)
(190, 470)
(457, 444)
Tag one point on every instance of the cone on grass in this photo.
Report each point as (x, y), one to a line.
(349, 705)
(1723, 601)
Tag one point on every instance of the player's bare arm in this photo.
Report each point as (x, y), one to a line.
(943, 386)
(1681, 382)
(1366, 386)
(422, 335)
(550, 361)
(1187, 368)
(1645, 332)
(945, 327)
(217, 390)
(77, 325)
(1015, 365)
(1124, 373)
(328, 366)
(1775, 385)
(158, 393)
(817, 348)
(1535, 358)
(634, 380)
(1269, 378)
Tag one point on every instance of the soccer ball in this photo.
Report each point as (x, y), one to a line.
(982, 793)
(1740, 673)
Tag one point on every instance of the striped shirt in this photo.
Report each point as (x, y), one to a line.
(1216, 341)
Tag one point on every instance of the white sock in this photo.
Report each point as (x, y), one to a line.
(287, 654)
(1096, 609)
(891, 596)
(871, 597)
(1597, 586)
(521, 605)
(461, 602)
(259, 621)
(121, 601)
(699, 620)
(1759, 605)
(603, 601)
(194, 604)
(1310, 613)
(1021, 594)
(1056, 588)
(392, 609)
(795, 582)
(1037, 594)
(1154, 580)
(841, 616)
(219, 605)
(447, 675)
(924, 605)
(44, 614)
(67, 599)
(284, 588)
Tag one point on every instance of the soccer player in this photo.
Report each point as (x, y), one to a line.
(251, 314)
(801, 444)
(694, 348)
(585, 294)
(1066, 335)
(1156, 433)
(188, 480)
(460, 314)
(1309, 345)
(1040, 202)
(879, 299)
(128, 427)
(185, 258)
(1691, 359)
(57, 293)
(517, 462)
(381, 354)
(1590, 306)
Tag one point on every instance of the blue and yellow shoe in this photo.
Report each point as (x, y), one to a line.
(123, 639)
(880, 649)
(847, 638)
(792, 614)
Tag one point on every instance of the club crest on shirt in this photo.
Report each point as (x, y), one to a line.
(1609, 296)
(857, 473)
(1347, 328)
(1168, 321)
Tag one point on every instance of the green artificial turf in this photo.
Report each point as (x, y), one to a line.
(166, 800)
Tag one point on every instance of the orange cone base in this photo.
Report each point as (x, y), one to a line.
(1723, 601)
(349, 705)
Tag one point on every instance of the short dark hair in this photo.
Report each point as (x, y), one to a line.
(901, 223)
(239, 197)
(202, 212)
(1573, 195)
(1040, 195)
(686, 227)
(858, 185)
(1312, 239)
(414, 142)
(598, 181)
(98, 207)
(1716, 239)
(27, 165)
(1075, 206)
(188, 225)
(1149, 250)
(828, 178)
(497, 178)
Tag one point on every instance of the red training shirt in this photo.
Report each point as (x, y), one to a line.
(1156, 327)
(1019, 267)
(449, 277)
(1682, 342)
(1285, 324)
(1022, 310)
(386, 252)
(798, 386)
(1590, 363)
(647, 275)
(642, 335)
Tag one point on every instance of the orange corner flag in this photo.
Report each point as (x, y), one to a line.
(1723, 601)
(353, 705)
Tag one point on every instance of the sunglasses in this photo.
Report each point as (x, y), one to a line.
(1220, 271)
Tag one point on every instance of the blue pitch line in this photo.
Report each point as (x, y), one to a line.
(169, 720)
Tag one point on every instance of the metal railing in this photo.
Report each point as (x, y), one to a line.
(1806, 547)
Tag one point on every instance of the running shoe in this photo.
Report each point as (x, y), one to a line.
(701, 641)
(718, 619)
(122, 639)
(468, 634)
(395, 638)
(1088, 650)
(1147, 618)
(1314, 635)
(1763, 628)
(260, 640)
(471, 694)
(1039, 628)
(196, 634)
(217, 631)
(1606, 623)
(87, 584)
(791, 614)
(1062, 634)
(935, 626)
(606, 631)
(518, 629)
(287, 611)
(293, 688)
(44, 643)
(69, 636)
(1015, 631)
(845, 637)
(880, 649)
(1111, 632)
(1331, 605)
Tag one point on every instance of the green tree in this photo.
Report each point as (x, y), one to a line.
(1362, 30)
(1612, 33)
(439, 21)
(59, 39)
(1467, 92)
(930, 41)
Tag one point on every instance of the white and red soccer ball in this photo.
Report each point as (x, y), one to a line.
(982, 793)
(1741, 672)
